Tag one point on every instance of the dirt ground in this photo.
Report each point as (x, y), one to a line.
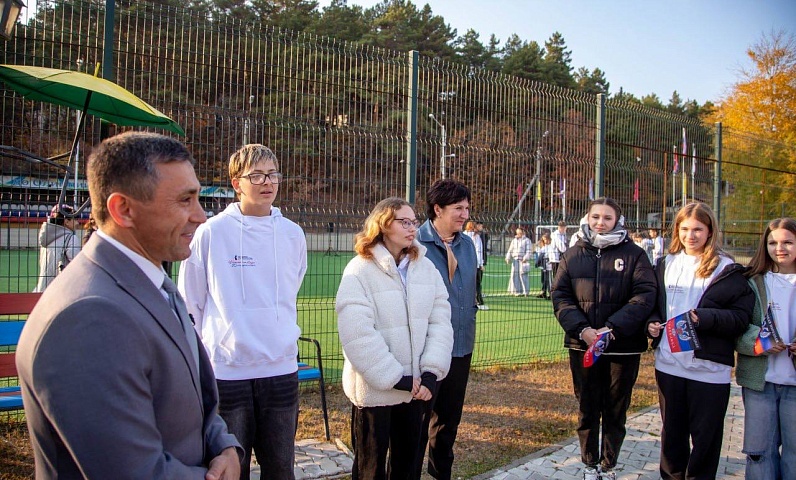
(509, 413)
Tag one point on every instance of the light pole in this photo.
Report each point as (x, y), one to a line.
(9, 13)
(442, 148)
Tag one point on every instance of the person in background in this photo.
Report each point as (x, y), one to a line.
(518, 255)
(471, 231)
(88, 230)
(58, 245)
(393, 319)
(768, 377)
(701, 283)
(605, 282)
(240, 284)
(657, 245)
(114, 382)
(484, 236)
(545, 250)
(560, 244)
(453, 254)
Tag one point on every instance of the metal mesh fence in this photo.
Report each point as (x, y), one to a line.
(340, 118)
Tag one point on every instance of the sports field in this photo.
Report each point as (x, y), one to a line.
(515, 330)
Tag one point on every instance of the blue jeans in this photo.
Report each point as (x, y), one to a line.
(263, 414)
(770, 426)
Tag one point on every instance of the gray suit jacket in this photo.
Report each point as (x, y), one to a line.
(108, 381)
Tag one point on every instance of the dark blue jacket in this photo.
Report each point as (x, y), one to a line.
(461, 293)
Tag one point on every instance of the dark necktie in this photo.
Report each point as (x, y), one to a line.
(178, 305)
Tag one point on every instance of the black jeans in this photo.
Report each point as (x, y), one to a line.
(692, 412)
(603, 392)
(263, 414)
(375, 430)
(441, 424)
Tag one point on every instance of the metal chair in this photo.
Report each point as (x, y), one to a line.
(312, 373)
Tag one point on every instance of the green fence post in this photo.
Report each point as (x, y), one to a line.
(717, 174)
(599, 160)
(411, 128)
(107, 54)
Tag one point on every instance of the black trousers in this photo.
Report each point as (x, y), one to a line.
(442, 423)
(479, 277)
(603, 392)
(393, 428)
(692, 412)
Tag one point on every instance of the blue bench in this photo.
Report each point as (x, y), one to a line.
(12, 304)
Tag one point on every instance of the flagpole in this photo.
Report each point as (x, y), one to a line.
(693, 171)
(551, 201)
(638, 208)
(564, 201)
(674, 176)
(685, 176)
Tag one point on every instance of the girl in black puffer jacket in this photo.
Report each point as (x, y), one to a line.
(604, 282)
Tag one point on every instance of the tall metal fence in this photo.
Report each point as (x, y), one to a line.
(352, 124)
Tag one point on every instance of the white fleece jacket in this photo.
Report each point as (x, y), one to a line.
(240, 285)
(387, 333)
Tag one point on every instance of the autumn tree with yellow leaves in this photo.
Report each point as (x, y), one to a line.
(758, 116)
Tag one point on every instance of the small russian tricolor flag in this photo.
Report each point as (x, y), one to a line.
(768, 336)
(597, 348)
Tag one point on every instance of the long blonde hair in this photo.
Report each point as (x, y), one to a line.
(382, 215)
(712, 252)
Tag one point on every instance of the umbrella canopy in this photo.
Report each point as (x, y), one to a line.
(92, 95)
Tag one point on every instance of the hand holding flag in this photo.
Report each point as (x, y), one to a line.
(768, 337)
(680, 333)
(597, 348)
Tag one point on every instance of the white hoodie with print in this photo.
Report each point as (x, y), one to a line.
(240, 285)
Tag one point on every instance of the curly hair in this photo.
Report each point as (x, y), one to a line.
(712, 252)
(382, 215)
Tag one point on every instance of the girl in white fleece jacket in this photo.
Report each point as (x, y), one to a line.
(394, 326)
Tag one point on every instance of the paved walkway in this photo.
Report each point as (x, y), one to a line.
(639, 456)
(638, 459)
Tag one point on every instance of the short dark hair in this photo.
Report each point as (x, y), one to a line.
(443, 193)
(562, 223)
(126, 163)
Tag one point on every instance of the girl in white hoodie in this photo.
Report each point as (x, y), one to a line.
(240, 285)
(395, 329)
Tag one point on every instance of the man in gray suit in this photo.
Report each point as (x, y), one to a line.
(112, 383)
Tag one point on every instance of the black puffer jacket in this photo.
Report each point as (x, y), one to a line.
(724, 312)
(614, 287)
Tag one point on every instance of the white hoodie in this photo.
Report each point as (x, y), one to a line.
(240, 285)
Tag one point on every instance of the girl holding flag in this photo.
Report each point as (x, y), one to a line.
(603, 292)
(708, 304)
(766, 363)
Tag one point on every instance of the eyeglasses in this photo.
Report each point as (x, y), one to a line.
(409, 223)
(259, 178)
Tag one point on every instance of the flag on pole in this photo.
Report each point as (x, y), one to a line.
(597, 348)
(539, 191)
(562, 188)
(693, 160)
(519, 192)
(768, 335)
(591, 189)
(676, 164)
(680, 333)
(635, 191)
(685, 145)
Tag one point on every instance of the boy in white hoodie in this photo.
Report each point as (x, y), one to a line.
(240, 285)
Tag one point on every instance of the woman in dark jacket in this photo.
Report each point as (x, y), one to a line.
(699, 280)
(604, 282)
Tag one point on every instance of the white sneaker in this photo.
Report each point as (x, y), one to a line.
(608, 474)
(590, 473)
